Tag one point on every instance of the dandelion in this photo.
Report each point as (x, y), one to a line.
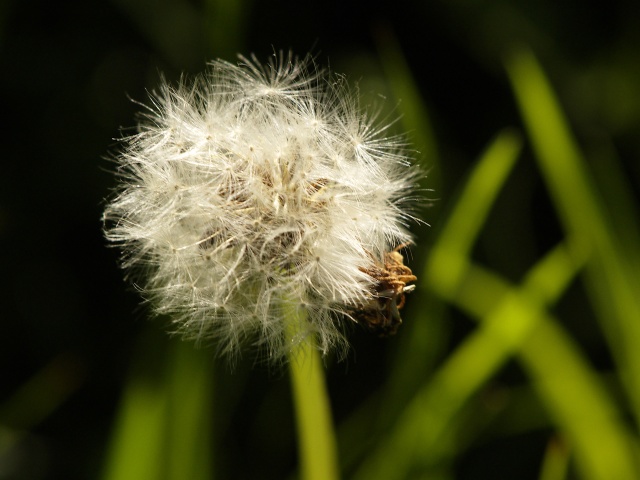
(256, 188)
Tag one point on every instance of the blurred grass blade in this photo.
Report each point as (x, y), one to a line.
(618, 193)
(556, 461)
(316, 437)
(163, 428)
(571, 391)
(418, 438)
(43, 393)
(417, 348)
(190, 451)
(173, 27)
(578, 401)
(34, 401)
(137, 443)
(612, 281)
(446, 264)
(225, 22)
(415, 117)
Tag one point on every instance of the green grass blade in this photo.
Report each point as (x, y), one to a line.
(446, 264)
(189, 451)
(163, 428)
(580, 405)
(619, 196)
(173, 28)
(556, 461)
(225, 26)
(43, 393)
(423, 336)
(571, 391)
(415, 117)
(138, 441)
(613, 284)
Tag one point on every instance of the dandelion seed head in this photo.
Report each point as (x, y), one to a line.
(255, 185)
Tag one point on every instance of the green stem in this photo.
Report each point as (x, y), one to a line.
(316, 438)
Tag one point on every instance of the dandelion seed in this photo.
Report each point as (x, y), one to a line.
(259, 185)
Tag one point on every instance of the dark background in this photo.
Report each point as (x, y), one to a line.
(68, 72)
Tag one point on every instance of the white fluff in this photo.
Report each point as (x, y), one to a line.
(254, 186)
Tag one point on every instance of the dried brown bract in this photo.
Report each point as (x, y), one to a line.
(381, 314)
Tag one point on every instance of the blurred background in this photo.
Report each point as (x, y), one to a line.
(80, 363)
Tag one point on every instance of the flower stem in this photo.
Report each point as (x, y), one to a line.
(316, 438)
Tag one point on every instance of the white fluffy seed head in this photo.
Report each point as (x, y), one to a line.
(253, 186)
